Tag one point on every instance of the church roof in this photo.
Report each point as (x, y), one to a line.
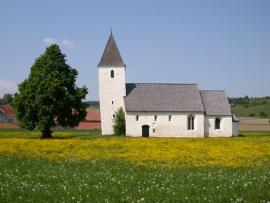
(215, 103)
(235, 118)
(156, 97)
(111, 55)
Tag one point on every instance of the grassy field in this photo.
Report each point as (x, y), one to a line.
(251, 108)
(81, 166)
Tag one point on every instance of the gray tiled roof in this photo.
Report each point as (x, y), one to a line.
(235, 118)
(155, 97)
(111, 55)
(215, 103)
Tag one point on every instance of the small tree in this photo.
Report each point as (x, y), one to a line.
(49, 96)
(119, 122)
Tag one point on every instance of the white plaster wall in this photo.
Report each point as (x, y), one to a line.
(225, 126)
(177, 127)
(235, 129)
(110, 89)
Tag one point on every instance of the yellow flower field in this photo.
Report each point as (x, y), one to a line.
(250, 151)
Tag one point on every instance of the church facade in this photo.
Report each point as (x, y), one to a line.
(160, 109)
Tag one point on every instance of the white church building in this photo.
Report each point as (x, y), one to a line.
(160, 109)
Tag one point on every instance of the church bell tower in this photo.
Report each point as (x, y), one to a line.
(112, 84)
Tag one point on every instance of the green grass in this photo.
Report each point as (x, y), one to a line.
(39, 180)
(242, 111)
(57, 133)
(253, 134)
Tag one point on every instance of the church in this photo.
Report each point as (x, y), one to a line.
(160, 109)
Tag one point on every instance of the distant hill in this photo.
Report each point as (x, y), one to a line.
(251, 106)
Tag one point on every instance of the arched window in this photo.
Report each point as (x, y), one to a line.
(190, 122)
(155, 117)
(137, 117)
(112, 74)
(170, 118)
(217, 123)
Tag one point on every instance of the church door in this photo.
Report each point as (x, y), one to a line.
(145, 130)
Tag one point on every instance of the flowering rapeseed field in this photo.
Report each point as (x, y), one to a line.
(249, 151)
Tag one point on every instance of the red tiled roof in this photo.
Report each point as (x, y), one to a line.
(93, 115)
(7, 109)
(92, 120)
(89, 125)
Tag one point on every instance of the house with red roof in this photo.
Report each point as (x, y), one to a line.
(7, 114)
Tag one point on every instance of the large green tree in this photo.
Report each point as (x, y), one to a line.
(49, 96)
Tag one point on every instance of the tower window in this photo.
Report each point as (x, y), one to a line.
(112, 74)
(155, 117)
(170, 117)
(190, 122)
(137, 117)
(112, 102)
(217, 123)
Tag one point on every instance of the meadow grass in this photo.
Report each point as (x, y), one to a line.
(82, 166)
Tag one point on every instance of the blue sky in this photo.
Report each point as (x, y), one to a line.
(217, 44)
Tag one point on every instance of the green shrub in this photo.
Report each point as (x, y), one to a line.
(119, 122)
(263, 114)
(252, 114)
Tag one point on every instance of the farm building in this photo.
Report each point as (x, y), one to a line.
(160, 109)
(7, 114)
(91, 121)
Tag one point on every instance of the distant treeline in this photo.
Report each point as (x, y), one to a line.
(93, 104)
(249, 101)
(6, 99)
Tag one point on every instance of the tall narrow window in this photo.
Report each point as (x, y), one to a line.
(112, 74)
(190, 122)
(217, 123)
(137, 117)
(170, 117)
(155, 118)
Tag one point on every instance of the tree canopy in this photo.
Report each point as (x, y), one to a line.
(49, 96)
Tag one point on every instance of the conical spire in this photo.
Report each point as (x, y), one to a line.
(111, 55)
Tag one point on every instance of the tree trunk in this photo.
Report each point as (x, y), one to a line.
(46, 134)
